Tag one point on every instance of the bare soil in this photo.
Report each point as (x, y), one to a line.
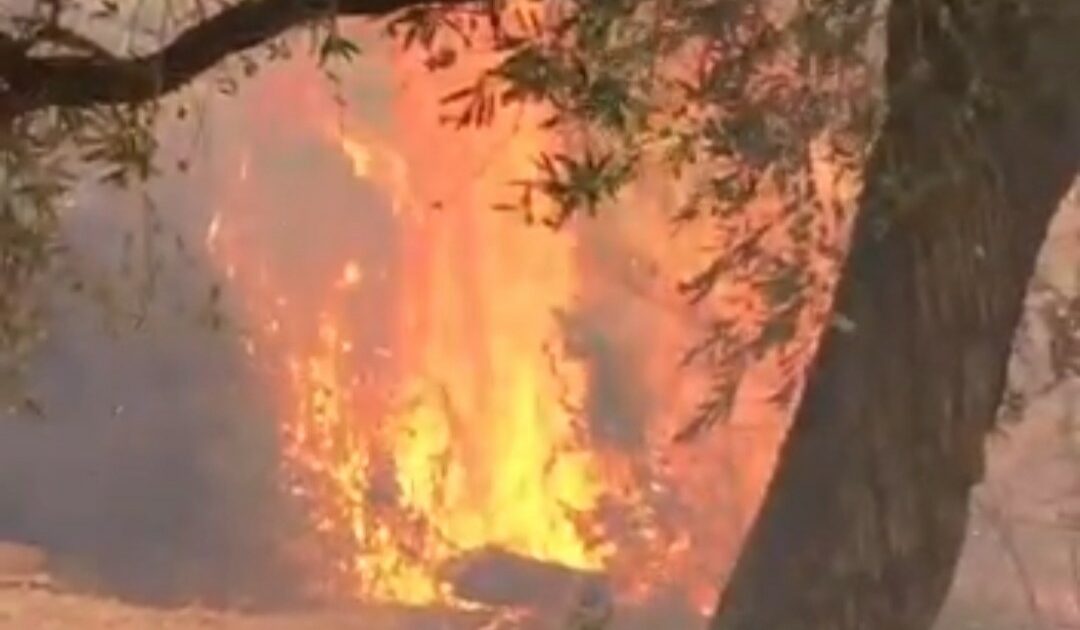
(30, 599)
(40, 607)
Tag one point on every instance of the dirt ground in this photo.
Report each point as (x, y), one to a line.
(31, 600)
(42, 608)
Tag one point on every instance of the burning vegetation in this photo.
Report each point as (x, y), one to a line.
(488, 409)
(477, 410)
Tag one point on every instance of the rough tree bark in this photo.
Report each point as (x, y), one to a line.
(864, 519)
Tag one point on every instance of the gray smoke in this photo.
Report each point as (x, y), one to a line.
(152, 471)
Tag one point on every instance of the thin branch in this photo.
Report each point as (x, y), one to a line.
(67, 38)
(77, 81)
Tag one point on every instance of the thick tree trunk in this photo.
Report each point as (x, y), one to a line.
(866, 514)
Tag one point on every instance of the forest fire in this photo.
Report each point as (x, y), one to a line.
(457, 385)
(477, 444)
(533, 371)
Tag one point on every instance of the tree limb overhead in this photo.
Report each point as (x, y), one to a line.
(29, 82)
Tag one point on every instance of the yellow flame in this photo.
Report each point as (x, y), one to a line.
(213, 231)
(459, 425)
(377, 162)
(358, 155)
(482, 445)
(351, 275)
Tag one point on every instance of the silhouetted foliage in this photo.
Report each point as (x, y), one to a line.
(734, 98)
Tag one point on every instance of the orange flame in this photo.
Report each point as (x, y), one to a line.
(435, 402)
(482, 444)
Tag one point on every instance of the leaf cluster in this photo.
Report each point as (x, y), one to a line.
(738, 99)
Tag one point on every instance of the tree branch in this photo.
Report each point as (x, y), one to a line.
(78, 81)
(66, 38)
